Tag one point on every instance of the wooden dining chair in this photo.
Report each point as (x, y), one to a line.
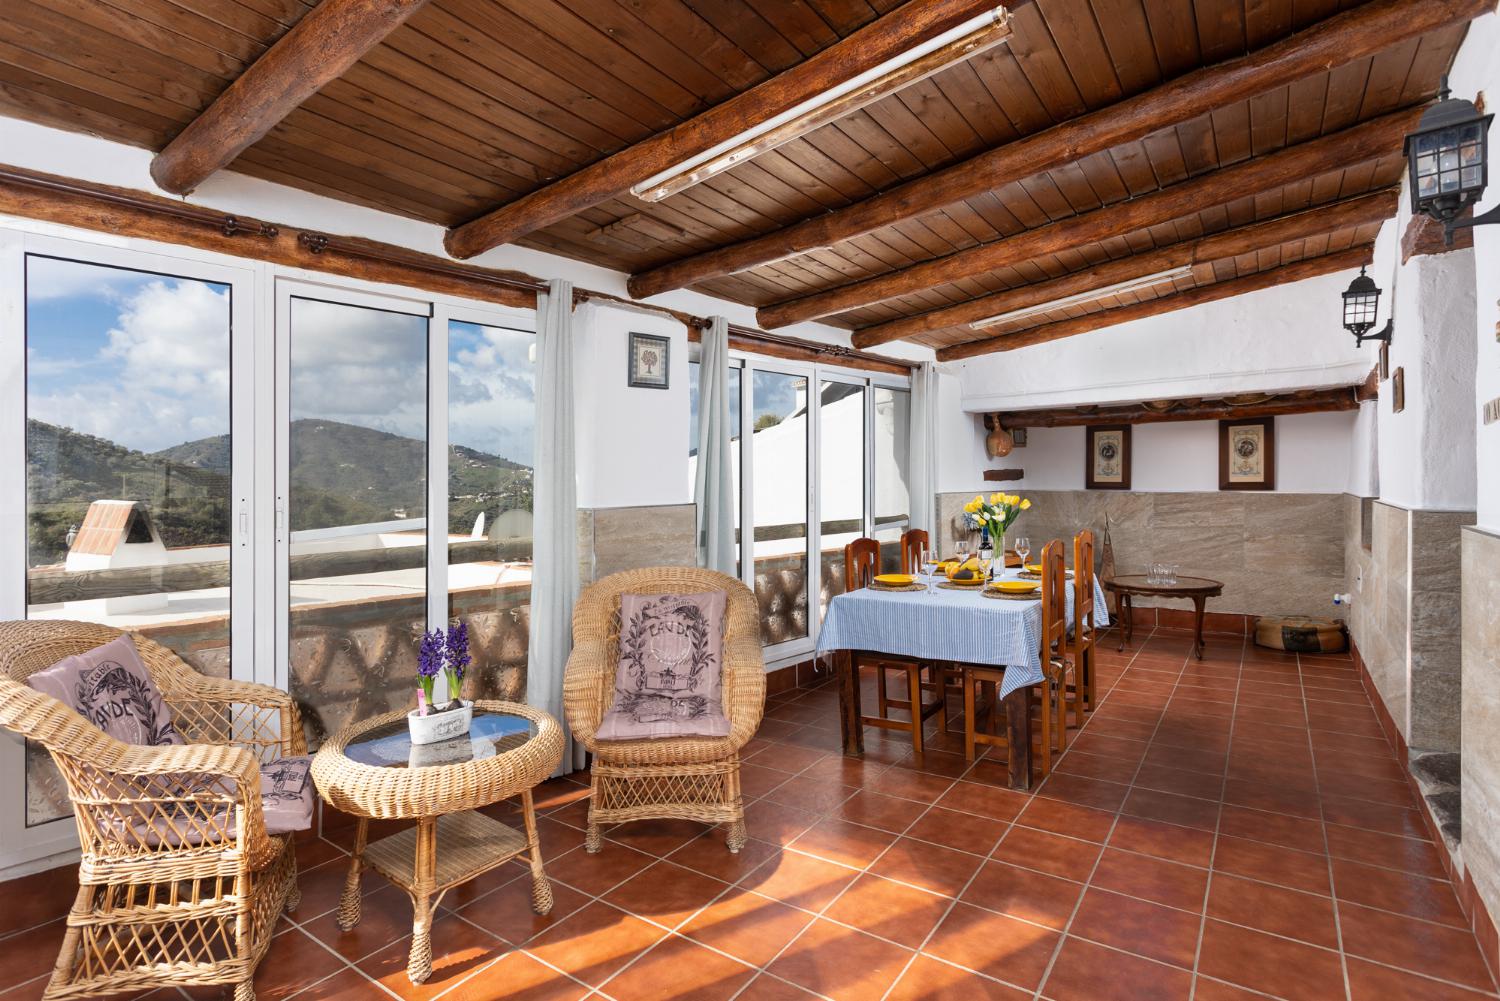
(861, 564)
(1085, 635)
(982, 682)
(914, 542)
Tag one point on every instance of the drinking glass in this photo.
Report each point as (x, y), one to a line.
(1023, 550)
(929, 567)
(1170, 573)
(963, 551)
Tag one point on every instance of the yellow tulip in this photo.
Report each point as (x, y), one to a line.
(1026, 505)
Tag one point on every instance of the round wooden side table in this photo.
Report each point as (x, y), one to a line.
(1196, 589)
(372, 770)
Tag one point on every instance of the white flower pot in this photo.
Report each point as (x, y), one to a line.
(434, 727)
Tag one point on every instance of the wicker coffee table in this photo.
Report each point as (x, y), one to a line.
(371, 769)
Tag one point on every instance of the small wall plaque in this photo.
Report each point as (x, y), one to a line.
(1492, 411)
(1398, 390)
(649, 355)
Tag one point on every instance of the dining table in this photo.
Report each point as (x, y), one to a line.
(958, 625)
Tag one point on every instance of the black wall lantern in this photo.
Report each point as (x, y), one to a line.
(1447, 163)
(1360, 302)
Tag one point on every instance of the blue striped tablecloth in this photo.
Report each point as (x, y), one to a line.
(947, 624)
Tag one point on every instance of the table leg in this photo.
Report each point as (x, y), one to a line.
(541, 890)
(1124, 610)
(850, 712)
(1198, 603)
(1018, 735)
(348, 915)
(419, 961)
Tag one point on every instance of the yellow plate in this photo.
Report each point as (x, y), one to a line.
(970, 582)
(1033, 568)
(894, 579)
(1015, 586)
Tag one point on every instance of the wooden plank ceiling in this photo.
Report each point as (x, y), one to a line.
(473, 103)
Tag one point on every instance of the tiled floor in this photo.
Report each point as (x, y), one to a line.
(1231, 829)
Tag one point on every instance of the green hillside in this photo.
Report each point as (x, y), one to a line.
(342, 474)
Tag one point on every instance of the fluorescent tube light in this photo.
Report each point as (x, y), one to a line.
(917, 63)
(1130, 285)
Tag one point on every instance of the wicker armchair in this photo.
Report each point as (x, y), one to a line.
(687, 778)
(179, 883)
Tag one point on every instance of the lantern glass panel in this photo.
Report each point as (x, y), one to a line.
(1359, 310)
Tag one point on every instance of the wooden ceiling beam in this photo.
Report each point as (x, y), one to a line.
(1310, 267)
(1196, 408)
(1359, 144)
(1350, 212)
(1344, 38)
(329, 39)
(876, 43)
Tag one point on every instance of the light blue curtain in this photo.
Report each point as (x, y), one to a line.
(922, 458)
(554, 581)
(713, 487)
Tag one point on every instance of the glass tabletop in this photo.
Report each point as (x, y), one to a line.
(389, 745)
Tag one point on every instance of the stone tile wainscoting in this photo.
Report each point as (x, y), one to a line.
(611, 539)
(1479, 857)
(1277, 553)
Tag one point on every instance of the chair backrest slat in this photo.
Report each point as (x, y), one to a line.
(1054, 599)
(914, 541)
(1083, 581)
(861, 563)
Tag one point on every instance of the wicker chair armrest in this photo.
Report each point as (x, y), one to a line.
(587, 685)
(744, 687)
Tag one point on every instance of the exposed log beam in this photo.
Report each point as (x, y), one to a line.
(328, 40)
(1301, 401)
(864, 50)
(1350, 212)
(1368, 141)
(1352, 35)
(1310, 267)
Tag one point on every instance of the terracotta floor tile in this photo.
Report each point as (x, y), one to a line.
(385, 916)
(928, 979)
(1067, 819)
(931, 867)
(1151, 879)
(962, 831)
(1273, 798)
(1399, 892)
(800, 880)
(1097, 766)
(1137, 926)
(786, 757)
(1172, 842)
(888, 813)
(655, 837)
(1304, 916)
(680, 968)
(665, 893)
(1272, 864)
(45, 896)
(594, 943)
(768, 988)
(1105, 745)
(1167, 808)
(1277, 966)
(507, 912)
(1070, 858)
(1022, 893)
(515, 977)
(1205, 989)
(459, 950)
(594, 874)
(1388, 850)
(777, 823)
(983, 800)
(1083, 791)
(841, 963)
(845, 843)
(910, 784)
(747, 925)
(889, 909)
(994, 944)
(710, 855)
(1180, 781)
(1373, 816)
(814, 794)
(31, 953)
(1420, 946)
(351, 985)
(1088, 972)
(1272, 828)
(1368, 982)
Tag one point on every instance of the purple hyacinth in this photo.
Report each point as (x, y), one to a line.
(458, 650)
(431, 655)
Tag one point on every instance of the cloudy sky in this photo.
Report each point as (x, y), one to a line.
(143, 360)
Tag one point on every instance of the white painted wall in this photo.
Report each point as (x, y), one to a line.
(961, 456)
(1312, 456)
(1282, 338)
(1477, 70)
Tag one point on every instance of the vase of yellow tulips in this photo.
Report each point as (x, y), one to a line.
(994, 515)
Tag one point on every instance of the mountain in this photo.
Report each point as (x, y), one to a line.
(342, 474)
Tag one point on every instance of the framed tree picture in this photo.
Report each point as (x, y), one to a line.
(649, 357)
(1247, 454)
(1108, 457)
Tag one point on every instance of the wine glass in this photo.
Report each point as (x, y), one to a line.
(929, 567)
(1023, 550)
(963, 551)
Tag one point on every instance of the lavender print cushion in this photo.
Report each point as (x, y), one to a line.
(669, 680)
(111, 688)
(286, 795)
